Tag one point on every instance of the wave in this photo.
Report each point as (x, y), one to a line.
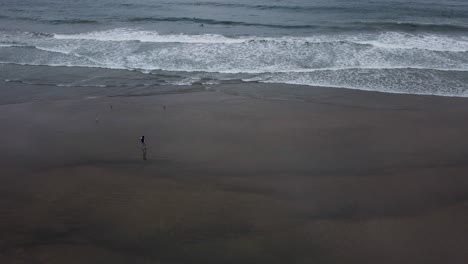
(387, 40)
(402, 26)
(221, 54)
(410, 27)
(429, 82)
(268, 7)
(215, 22)
(38, 48)
(149, 70)
(59, 51)
(354, 26)
(53, 21)
(6, 45)
(429, 42)
(124, 34)
(407, 81)
(393, 60)
(37, 34)
(70, 21)
(440, 9)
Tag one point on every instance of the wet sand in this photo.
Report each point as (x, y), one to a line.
(235, 174)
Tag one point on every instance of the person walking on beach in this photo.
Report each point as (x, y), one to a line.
(142, 139)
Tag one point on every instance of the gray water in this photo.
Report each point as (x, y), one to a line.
(416, 47)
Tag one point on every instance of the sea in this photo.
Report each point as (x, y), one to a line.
(402, 46)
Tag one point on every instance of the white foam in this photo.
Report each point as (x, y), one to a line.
(123, 34)
(396, 40)
(389, 40)
(394, 81)
(57, 50)
(12, 45)
(325, 60)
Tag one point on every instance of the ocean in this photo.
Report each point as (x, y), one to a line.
(416, 46)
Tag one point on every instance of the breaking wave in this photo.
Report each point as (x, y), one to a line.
(388, 61)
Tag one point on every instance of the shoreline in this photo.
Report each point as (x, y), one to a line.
(137, 78)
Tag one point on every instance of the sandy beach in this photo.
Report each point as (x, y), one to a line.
(234, 173)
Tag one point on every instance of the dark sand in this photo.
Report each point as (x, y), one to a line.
(243, 174)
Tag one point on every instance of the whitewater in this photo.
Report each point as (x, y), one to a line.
(422, 50)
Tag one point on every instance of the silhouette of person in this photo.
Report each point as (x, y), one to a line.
(142, 139)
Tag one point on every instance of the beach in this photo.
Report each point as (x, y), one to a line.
(246, 131)
(234, 173)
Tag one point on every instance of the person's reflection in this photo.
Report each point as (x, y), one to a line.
(143, 149)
